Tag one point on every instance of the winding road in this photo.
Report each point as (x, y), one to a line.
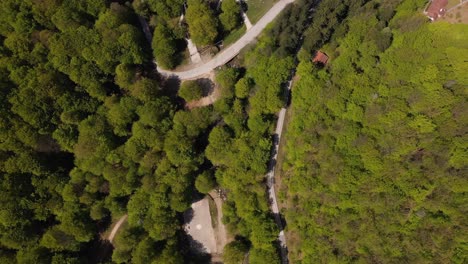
(219, 60)
(230, 52)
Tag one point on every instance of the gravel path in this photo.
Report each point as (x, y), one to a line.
(229, 53)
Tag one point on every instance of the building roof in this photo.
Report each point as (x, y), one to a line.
(436, 9)
(320, 57)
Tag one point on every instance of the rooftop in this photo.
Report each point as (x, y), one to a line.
(320, 57)
(436, 9)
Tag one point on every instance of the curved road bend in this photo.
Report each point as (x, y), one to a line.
(116, 228)
(271, 183)
(229, 53)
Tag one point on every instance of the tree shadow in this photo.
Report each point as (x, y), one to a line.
(284, 252)
(188, 215)
(100, 251)
(279, 217)
(273, 152)
(288, 98)
(181, 46)
(194, 251)
(244, 6)
(171, 85)
(207, 86)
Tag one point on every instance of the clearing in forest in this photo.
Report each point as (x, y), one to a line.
(198, 226)
(457, 15)
(257, 8)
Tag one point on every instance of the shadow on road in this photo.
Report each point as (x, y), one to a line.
(282, 219)
(195, 253)
(171, 85)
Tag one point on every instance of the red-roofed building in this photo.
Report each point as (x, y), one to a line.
(436, 9)
(320, 57)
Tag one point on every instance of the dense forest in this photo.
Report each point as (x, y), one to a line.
(376, 147)
(90, 132)
(87, 131)
(87, 134)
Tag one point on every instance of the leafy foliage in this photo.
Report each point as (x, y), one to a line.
(231, 16)
(190, 90)
(205, 182)
(202, 23)
(164, 46)
(234, 252)
(368, 158)
(87, 134)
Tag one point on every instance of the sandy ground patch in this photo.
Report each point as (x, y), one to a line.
(457, 15)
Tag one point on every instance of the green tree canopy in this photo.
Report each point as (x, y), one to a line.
(190, 90)
(231, 16)
(205, 182)
(201, 22)
(164, 47)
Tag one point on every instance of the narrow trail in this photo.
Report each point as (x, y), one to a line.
(116, 228)
(222, 238)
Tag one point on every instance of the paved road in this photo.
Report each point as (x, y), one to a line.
(193, 51)
(271, 183)
(116, 228)
(229, 53)
(199, 227)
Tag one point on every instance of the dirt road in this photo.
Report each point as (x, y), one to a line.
(116, 228)
(221, 233)
(229, 53)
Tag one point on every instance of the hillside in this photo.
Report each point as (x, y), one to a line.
(376, 148)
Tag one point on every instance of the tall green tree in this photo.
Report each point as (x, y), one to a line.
(164, 46)
(202, 23)
(231, 16)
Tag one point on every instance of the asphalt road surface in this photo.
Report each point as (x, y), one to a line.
(229, 53)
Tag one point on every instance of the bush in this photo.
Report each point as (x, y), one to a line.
(227, 78)
(205, 182)
(231, 16)
(190, 90)
(242, 88)
(234, 252)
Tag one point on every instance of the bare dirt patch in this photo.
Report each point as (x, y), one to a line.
(116, 228)
(212, 93)
(221, 234)
(458, 15)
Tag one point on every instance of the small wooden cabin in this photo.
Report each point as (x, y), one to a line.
(320, 57)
